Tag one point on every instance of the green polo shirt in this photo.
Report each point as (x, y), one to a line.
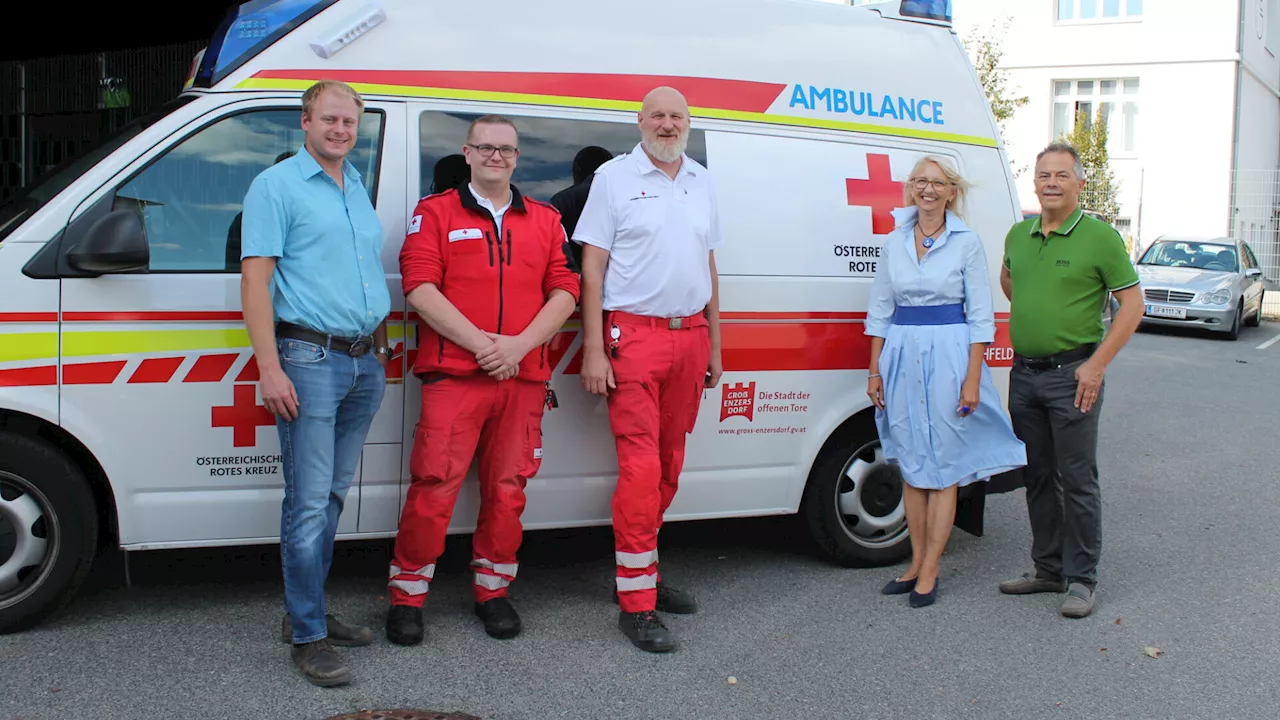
(1061, 282)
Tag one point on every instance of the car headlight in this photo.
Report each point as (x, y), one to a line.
(1218, 297)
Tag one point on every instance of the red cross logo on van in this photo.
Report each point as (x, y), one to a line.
(244, 416)
(878, 192)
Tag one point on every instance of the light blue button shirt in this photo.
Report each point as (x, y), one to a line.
(327, 243)
(953, 271)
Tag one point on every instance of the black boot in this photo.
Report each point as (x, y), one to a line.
(671, 600)
(404, 625)
(500, 618)
(646, 631)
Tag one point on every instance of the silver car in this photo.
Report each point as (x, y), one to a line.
(1212, 283)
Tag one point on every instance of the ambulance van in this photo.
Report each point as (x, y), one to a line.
(130, 415)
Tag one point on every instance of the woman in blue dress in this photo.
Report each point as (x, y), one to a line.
(930, 320)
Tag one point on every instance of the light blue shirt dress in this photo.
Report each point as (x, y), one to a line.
(929, 312)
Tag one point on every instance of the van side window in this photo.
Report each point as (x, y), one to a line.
(190, 197)
(548, 147)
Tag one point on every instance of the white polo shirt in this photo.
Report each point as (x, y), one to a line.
(659, 233)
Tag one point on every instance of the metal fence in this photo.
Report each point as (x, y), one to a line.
(52, 108)
(1255, 218)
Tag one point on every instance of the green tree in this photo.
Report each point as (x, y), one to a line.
(1089, 138)
(986, 53)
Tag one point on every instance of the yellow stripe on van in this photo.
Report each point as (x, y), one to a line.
(133, 342)
(16, 347)
(602, 104)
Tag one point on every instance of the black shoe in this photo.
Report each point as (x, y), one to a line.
(340, 633)
(500, 618)
(898, 587)
(320, 664)
(917, 600)
(671, 600)
(646, 631)
(404, 625)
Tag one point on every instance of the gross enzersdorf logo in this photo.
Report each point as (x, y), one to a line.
(737, 401)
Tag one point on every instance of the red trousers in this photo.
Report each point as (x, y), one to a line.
(660, 374)
(460, 415)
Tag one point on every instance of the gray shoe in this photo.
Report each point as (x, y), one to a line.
(1030, 583)
(320, 664)
(340, 633)
(1079, 601)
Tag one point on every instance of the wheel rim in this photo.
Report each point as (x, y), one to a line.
(29, 538)
(869, 499)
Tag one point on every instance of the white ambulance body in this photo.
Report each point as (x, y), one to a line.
(129, 409)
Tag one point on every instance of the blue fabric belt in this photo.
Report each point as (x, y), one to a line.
(929, 314)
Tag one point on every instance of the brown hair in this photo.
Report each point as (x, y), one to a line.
(312, 94)
(491, 120)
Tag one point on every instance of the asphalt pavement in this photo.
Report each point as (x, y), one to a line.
(1188, 457)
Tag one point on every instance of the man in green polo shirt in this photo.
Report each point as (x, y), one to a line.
(1059, 270)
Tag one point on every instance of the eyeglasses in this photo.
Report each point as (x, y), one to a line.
(922, 183)
(505, 150)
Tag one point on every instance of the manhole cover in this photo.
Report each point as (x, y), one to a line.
(405, 715)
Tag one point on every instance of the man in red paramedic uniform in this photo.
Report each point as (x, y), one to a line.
(486, 270)
(651, 333)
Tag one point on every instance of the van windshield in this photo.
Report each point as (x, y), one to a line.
(34, 196)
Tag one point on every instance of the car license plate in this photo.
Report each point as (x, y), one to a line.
(1170, 312)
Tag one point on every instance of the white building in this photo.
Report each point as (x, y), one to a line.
(1191, 92)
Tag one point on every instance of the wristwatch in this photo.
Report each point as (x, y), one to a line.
(382, 351)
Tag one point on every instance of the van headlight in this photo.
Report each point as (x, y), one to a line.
(1218, 297)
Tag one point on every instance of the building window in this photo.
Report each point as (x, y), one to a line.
(1098, 10)
(1116, 98)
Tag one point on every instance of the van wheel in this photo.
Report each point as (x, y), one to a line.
(853, 501)
(48, 531)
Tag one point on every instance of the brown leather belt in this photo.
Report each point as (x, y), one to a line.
(355, 347)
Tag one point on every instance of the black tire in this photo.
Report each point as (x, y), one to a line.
(1256, 320)
(832, 531)
(1236, 322)
(38, 480)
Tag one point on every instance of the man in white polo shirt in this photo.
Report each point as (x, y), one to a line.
(651, 329)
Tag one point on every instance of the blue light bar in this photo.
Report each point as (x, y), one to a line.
(926, 9)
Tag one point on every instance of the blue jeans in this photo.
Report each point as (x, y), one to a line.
(338, 395)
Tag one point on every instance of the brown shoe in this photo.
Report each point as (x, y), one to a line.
(340, 633)
(1079, 601)
(320, 664)
(1030, 583)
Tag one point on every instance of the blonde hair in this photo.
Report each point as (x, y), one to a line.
(312, 94)
(948, 168)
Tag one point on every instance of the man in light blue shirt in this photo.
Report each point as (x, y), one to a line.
(315, 302)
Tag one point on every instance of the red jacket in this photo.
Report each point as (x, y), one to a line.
(499, 283)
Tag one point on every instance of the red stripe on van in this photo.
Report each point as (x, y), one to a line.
(30, 377)
(156, 370)
(739, 95)
(179, 316)
(98, 373)
(211, 368)
(28, 317)
(250, 372)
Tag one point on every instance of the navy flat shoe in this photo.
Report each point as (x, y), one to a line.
(898, 587)
(918, 600)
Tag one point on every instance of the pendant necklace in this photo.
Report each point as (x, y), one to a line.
(927, 242)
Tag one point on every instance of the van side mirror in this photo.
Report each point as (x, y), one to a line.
(115, 243)
(1252, 272)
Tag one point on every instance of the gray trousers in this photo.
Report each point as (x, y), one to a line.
(1064, 500)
